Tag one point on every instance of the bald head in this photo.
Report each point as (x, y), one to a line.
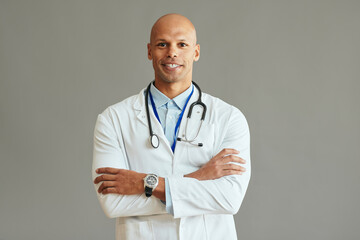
(170, 23)
(173, 50)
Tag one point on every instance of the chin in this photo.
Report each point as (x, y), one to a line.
(173, 79)
(167, 79)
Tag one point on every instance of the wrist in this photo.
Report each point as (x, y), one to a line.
(193, 175)
(159, 191)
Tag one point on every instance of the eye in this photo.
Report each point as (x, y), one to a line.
(161, 44)
(182, 44)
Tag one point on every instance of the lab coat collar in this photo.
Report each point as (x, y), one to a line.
(139, 106)
(140, 101)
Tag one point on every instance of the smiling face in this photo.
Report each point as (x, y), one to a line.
(173, 49)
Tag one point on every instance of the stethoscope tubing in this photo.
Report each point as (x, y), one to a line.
(154, 139)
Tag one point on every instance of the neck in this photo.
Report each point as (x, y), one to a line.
(172, 89)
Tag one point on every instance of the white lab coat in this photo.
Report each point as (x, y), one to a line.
(202, 209)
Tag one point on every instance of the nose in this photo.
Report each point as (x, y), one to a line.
(172, 52)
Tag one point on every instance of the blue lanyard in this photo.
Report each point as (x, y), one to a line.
(180, 117)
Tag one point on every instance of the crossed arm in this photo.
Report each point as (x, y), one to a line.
(127, 182)
(217, 187)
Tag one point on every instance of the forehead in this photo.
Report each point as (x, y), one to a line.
(173, 31)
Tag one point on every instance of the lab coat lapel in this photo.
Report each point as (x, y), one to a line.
(139, 106)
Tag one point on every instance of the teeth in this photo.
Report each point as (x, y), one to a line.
(172, 65)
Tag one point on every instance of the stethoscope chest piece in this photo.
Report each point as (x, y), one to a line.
(154, 141)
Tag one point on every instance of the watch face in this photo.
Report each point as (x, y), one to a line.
(151, 181)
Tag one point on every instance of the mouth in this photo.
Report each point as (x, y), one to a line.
(171, 66)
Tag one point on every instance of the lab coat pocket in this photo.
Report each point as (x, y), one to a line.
(199, 155)
(135, 230)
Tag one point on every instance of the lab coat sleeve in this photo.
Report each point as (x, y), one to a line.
(224, 195)
(109, 152)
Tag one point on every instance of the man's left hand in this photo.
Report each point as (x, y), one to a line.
(120, 181)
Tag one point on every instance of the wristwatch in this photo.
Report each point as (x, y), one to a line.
(150, 183)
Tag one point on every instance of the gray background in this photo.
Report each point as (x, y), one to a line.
(292, 67)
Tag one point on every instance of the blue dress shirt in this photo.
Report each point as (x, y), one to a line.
(169, 111)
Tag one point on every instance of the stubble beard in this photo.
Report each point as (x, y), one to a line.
(168, 78)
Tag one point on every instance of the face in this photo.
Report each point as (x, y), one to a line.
(173, 50)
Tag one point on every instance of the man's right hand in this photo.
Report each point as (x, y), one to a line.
(220, 165)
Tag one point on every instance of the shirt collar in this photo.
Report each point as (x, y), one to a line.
(161, 99)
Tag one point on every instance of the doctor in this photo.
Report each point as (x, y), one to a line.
(189, 181)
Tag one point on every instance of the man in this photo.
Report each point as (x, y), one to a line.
(202, 168)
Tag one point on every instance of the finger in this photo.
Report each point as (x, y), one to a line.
(104, 177)
(107, 170)
(226, 151)
(109, 190)
(231, 172)
(234, 167)
(105, 185)
(233, 158)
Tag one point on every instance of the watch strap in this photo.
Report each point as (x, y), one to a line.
(148, 191)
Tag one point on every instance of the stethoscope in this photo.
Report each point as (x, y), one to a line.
(154, 139)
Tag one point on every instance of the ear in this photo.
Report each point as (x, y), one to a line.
(149, 51)
(197, 52)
